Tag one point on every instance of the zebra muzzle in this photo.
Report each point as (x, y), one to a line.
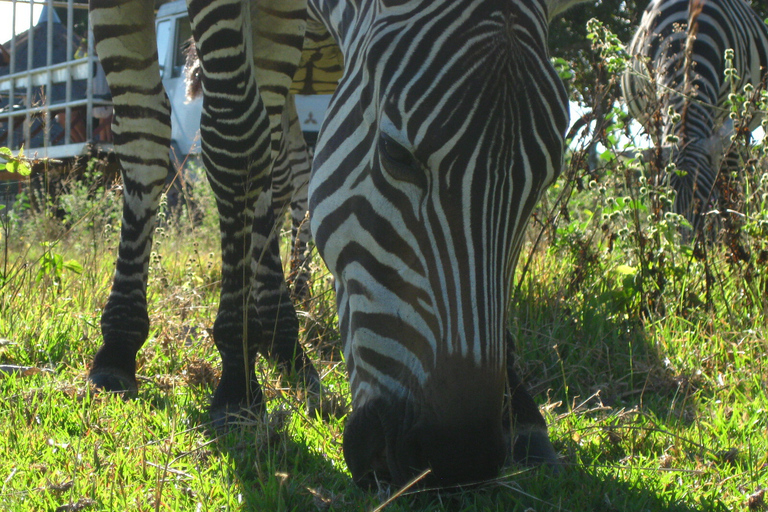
(396, 442)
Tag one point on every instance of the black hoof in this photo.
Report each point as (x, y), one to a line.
(113, 381)
(231, 405)
(222, 418)
(533, 448)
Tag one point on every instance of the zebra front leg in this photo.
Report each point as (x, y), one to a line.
(237, 330)
(530, 440)
(290, 177)
(125, 42)
(300, 163)
(280, 326)
(236, 149)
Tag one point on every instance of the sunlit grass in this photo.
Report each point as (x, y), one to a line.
(660, 408)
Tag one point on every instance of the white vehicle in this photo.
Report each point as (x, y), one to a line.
(173, 32)
(53, 99)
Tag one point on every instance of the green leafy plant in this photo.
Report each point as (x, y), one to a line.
(15, 163)
(53, 265)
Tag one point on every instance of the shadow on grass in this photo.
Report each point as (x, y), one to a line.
(267, 467)
(276, 470)
(286, 475)
(571, 490)
(262, 461)
(569, 351)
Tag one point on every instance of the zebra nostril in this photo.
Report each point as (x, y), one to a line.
(455, 453)
(395, 442)
(406, 457)
(364, 446)
(460, 456)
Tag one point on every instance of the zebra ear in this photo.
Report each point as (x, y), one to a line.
(555, 7)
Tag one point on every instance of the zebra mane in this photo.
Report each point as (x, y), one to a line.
(695, 8)
(193, 76)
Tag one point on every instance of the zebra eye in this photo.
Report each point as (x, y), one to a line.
(394, 151)
(399, 161)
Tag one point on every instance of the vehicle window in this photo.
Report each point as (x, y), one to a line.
(183, 33)
(163, 39)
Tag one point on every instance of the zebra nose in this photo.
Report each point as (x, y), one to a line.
(456, 453)
(382, 442)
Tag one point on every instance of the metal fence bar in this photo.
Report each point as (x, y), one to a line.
(70, 56)
(49, 77)
(59, 69)
(58, 106)
(59, 3)
(44, 104)
(92, 62)
(12, 70)
(30, 63)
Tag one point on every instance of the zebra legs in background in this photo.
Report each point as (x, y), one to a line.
(237, 145)
(290, 177)
(125, 38)
(287, 185)
(272, 298)
(236, 148)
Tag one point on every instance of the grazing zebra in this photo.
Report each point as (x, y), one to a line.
(679, 56)
(445, 129)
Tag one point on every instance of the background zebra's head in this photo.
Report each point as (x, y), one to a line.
(691, 61)
(442, 135)
(697, 163)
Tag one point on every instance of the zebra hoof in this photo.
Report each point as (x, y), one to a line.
(533, 448)
(230, 407)
(226, 417)
(223, 418)
(113, 381)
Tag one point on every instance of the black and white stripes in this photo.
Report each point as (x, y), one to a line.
(444, 131)
(241, 134)
(446, 127)
(679, 57)
(125, 43)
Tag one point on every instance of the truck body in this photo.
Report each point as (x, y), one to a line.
(53, 96)
(173, 32)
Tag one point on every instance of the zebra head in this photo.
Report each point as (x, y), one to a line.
(694, 138)
(444, 131)
(693, 180)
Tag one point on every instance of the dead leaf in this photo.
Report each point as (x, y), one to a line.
(24, 371)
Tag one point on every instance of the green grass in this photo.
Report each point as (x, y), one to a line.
(656, 398)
